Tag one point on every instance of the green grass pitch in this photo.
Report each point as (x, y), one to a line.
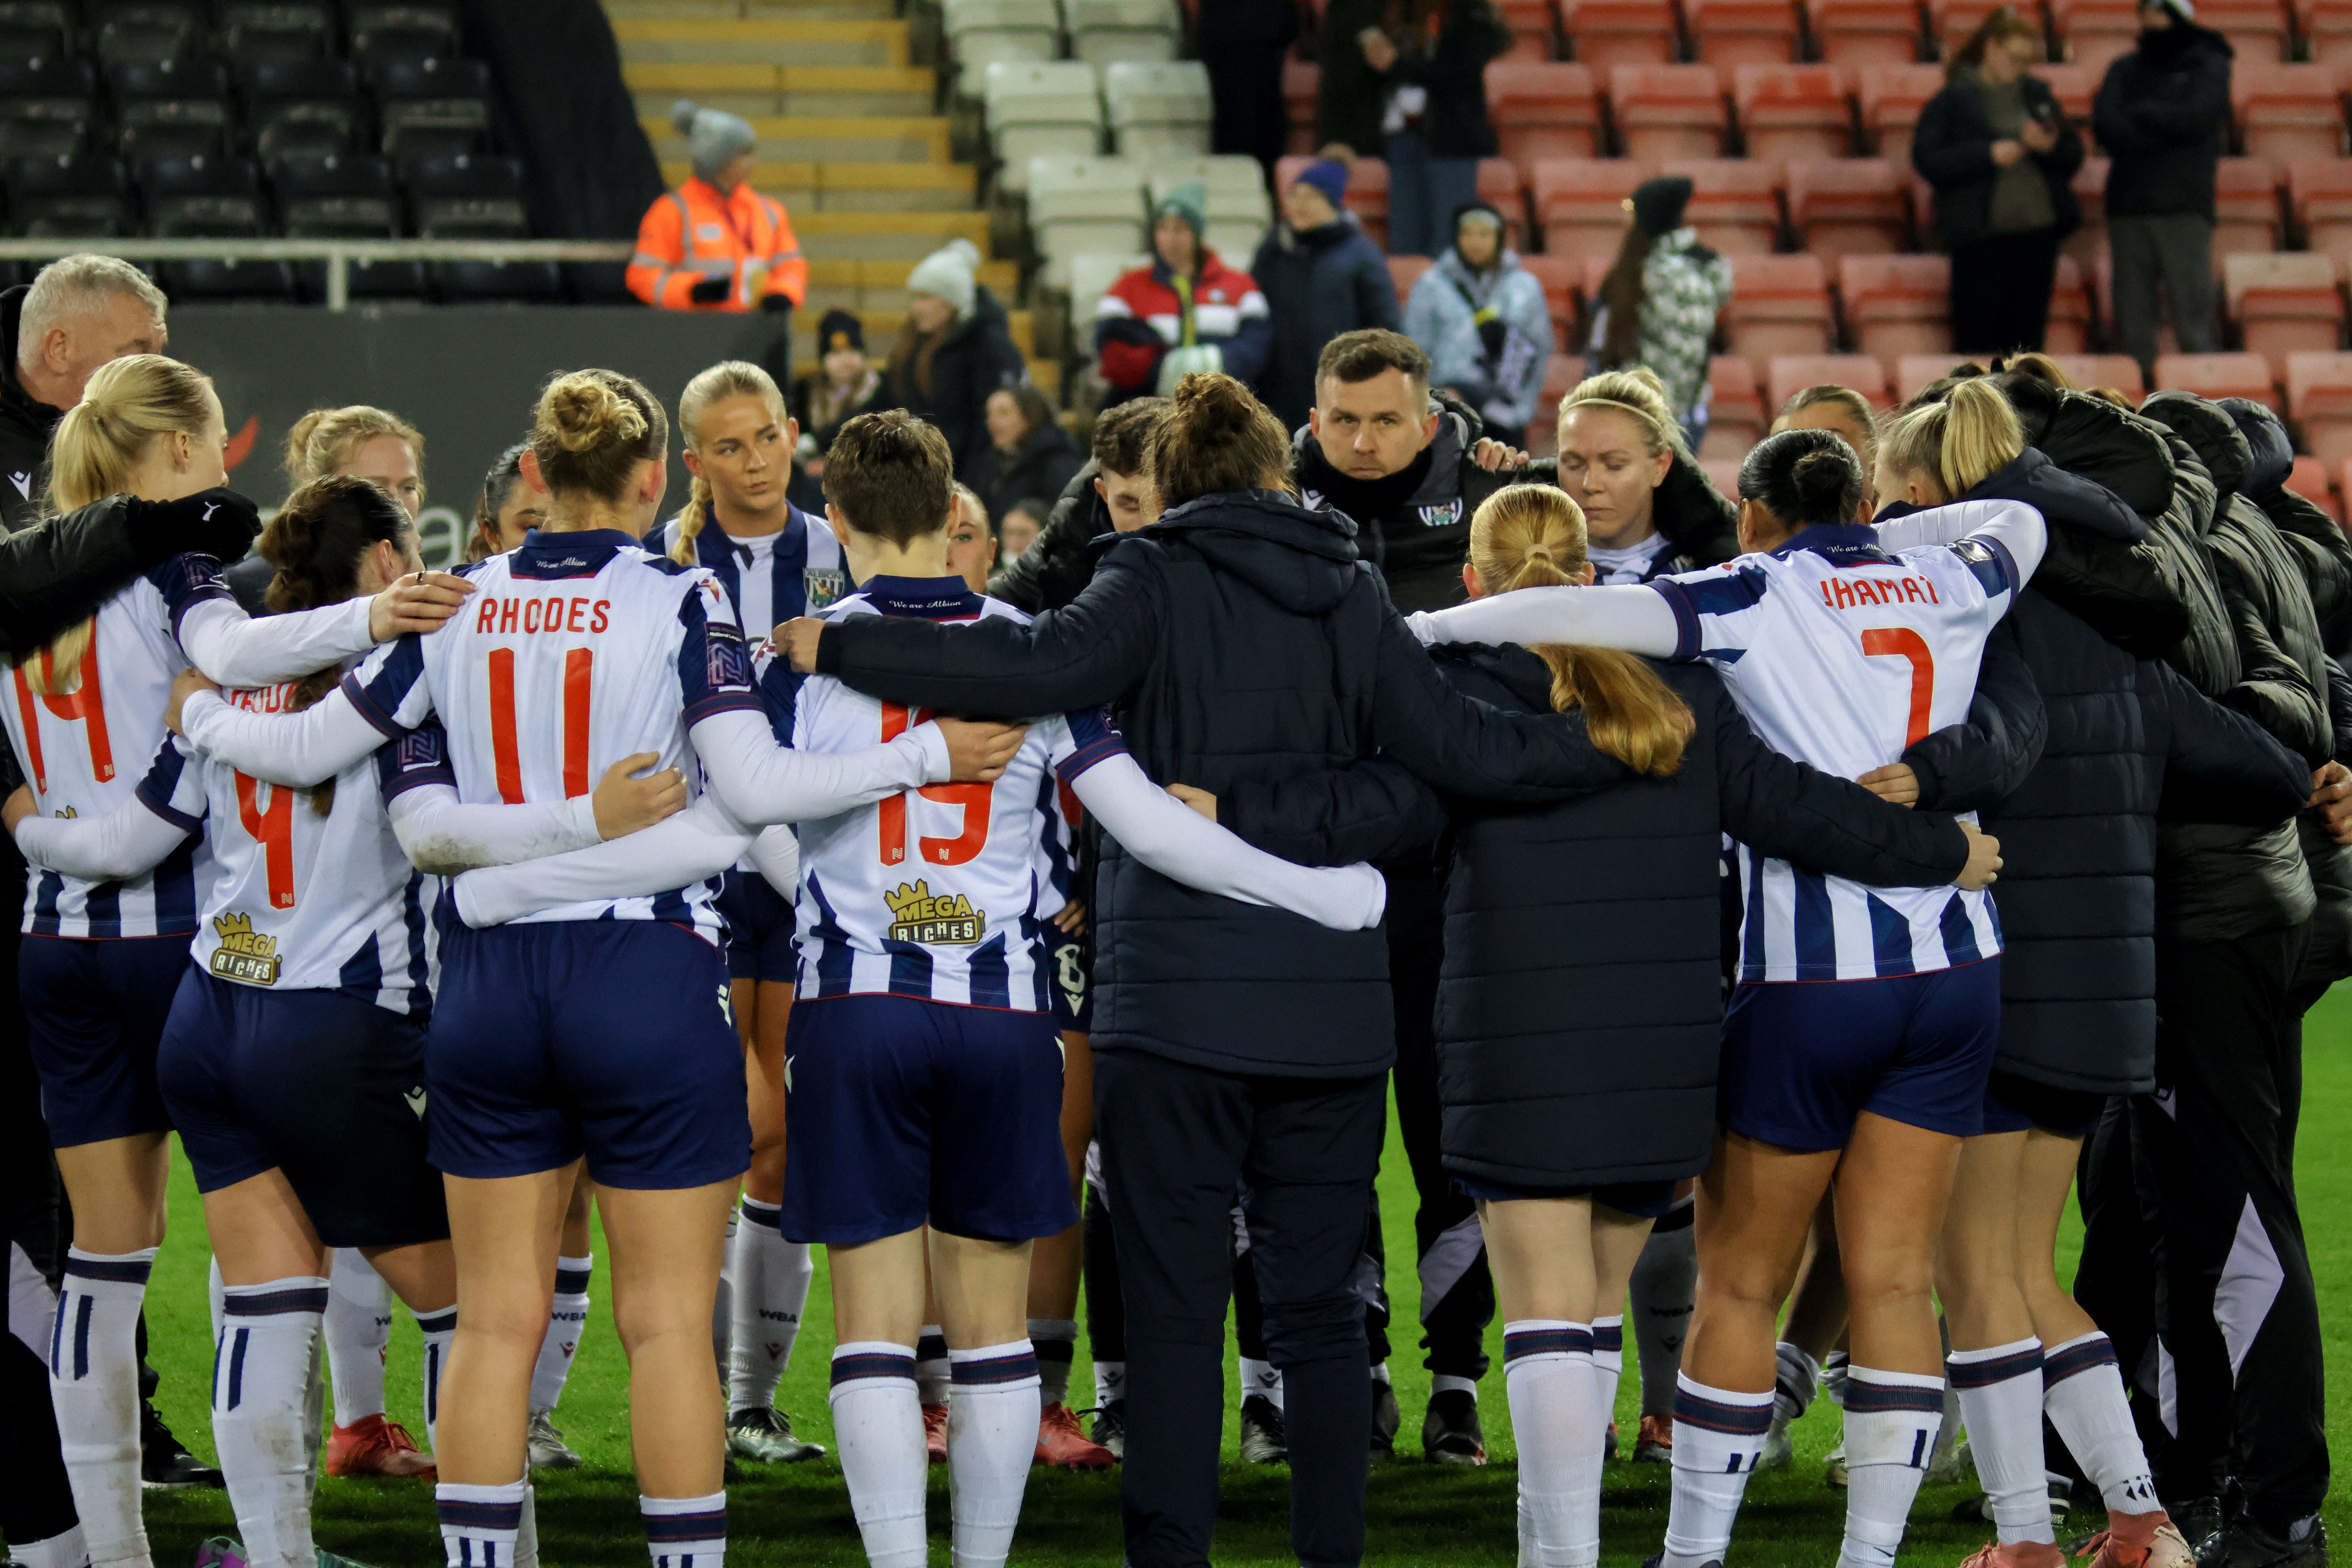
(1420, 1514)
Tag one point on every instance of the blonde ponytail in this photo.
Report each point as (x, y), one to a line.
(1959, 442)
(727, 378)
(1638, 393)
(1532, 536)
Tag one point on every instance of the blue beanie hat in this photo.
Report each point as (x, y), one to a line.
(1329, 176)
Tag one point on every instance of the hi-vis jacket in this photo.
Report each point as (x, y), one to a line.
(693, 233)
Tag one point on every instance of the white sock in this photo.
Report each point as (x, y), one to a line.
(567, 1320)
(1110, 1382)
(314, 1400)
(1795, 1383)
(992, 1409)
(2082, 1391)
(878, 1424)
(478, 1524)
(685, 1531)
(1719, 1433)
(261, 1381)
(2000, 1393)
(931, 1370)
(62, 1551)
(216, 1290)
(1380, 1372)
(1446, 1383)
(1556, 1413)
(359, 1328)
(94, 1387)
(1259, 1377)
(1891, 1421)
(438, 1329)
(1608, 1367)
(1057, 1340)
(771, 1292)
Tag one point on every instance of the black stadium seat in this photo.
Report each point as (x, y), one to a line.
(34, 29)
(431, 107)
(478, 197)
(348, 197)
(257, 35)
(83, 196)
(402, 32)
(212, 198)
(169, 109)
(302, 108)
(47, 106)
(145, 34)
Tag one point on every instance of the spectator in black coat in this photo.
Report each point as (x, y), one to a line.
(1433, 58)
(1349, 99)
(2162, 116)
(955, 350)
(1241, 43)
(2001, 157)
(1029, 454)
(1321, 277)
(78, 313)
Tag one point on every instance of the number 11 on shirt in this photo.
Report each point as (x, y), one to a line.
(506, 754)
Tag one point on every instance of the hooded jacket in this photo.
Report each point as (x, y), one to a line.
(1318, 284)
(24, 425)
(1245, 649)
(1487, 335)
(1580, 1004)
(1952, 150)
(2162, 116)
(975, 356)
(1414, 524)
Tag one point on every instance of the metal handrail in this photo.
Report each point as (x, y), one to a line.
(338, 254)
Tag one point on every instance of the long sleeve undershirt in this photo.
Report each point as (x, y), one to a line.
(129, 841)
(236, 649)
(442, 835)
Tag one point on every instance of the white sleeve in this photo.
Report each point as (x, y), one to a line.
(235, 649)
(697, 844)
(777, 852)
(1634, 617)
(1185, 846)
(128, 841)
(443, 836)
(761, 782)
(297, 749)
(2017, 528)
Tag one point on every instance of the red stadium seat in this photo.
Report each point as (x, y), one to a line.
(1580, 204)
(1735, 201)
(1792, 373)
(2288, 111)
(2326, 25)
(2118, 371)
(1795, 111)
(1404, 271)
(1501, 185)
(1847, 206)
(2073, 87)
(1543, 110)
(1779, 305)
(2285, 304)
(2308, 478)
(2257, 29)
(1736, 419)
(1300, 81)
(2089, 242)
(1742, 32)
(2319, 193)
(2218, 376)
(1860, 32)
(2245, 207)
(1560, 376)
(2068, 331)
(1891, 97)
(2094, 32)
(2319, 399)
(1531, 26)
(1558, 275)
(1605, 34)
(1723, 473)
(1914, 372)
(1897, 305)
(1668, 111)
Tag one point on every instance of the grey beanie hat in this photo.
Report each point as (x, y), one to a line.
(947, 272)
(713, 139)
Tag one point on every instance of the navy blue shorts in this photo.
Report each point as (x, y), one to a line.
(760, 945)
(327, 1088)
(1072, 963)
(610, 1038)
(900, 1113)
(2014, 1104)
(1802, 1059)
(93, 1014)
(1643, 1200)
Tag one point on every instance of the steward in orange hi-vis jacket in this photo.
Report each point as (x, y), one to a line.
(714, 243)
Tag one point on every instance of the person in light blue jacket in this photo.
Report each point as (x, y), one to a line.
(1481, 318)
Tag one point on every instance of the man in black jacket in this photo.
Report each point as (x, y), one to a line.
(78, 313)
(2163, 117)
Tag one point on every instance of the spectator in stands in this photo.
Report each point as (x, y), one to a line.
(1112, 494)
(1349, 94)
(1321, 277)
(508, 507)
(1029, 452)
(1998, 149)
(1659, 301)
(844, 384)
(79, 312)
(1481, 318)
(1434, 71)
(714, 243)
(2163, 119)
(1186, 312)
(955, 350)
(1018, 528)
(1241, 43)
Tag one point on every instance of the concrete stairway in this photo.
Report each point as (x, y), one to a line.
(850, 142)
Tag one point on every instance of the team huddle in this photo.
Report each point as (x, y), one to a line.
(410, 901)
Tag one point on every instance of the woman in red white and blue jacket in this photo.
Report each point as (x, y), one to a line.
(1186, 300)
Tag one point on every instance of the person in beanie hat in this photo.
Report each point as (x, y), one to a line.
(1187, 312)
(1321, 275)
(844, 384)
(1659, 301)
(956, 348)
(1482, 319)
(714, 243)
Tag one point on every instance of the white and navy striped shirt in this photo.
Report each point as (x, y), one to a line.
(771, 579)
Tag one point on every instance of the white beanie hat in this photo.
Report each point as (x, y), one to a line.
(948, 273)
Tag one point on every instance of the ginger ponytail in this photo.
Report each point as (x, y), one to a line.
(1532, 536)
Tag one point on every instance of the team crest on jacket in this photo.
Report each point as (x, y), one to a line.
(919, 916)
(244, 954)
(1444, 516)
(823, 585)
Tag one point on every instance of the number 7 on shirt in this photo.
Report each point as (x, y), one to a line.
(1902, 642)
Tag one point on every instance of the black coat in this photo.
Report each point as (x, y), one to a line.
(1316, 284)
(1060, 561)
(1037, 470)
(1582, 1001)
(1453, 71)
(2162, 117)
(1244, 649)
(1952, 150)
(977, 357)
(1415, 523)
(1350, 97)
(24, 426)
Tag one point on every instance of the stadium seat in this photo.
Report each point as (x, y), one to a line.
(344, 197)
(1605, 34)
(1558, 275)
(1794, 111)
(1580, 204)
(211, 198)
(1865, 32)
(2288, 111)
(47, 106)
(1541, 110)
(1367, 195)
(1532, 23)
(2069, 327)
(1501, 187)
(2308, 478)
(2319, 400)
(1742, 32)
(301, 107)
(1668, 111)
(1847, 206)
(1239, 209)
(2257, 29)
(1561, 373)
(2327, 27)
(1897, 305)
(2319, 197)
(474, 197)
(2075, 87)
(1723, 473)
(1033, 109)
(169, 109)
(1736, 419)
(2219, 376)
(2245, 207)
(146, 35)
(275, 34)
(402, 32)
(1084, 206)
(1779, 305)
(34, 29)
(81, 194)
(2094, 32)
(1158, 111)
(980, 33)
(1103, 32)
(1404, 271)
(432, 106)
(1792, 373)
(2089, 242)
(2283, 304)
(1891, 97)
(2118, 371)
(1914, 372)
(1734, 203)
(1301, 82)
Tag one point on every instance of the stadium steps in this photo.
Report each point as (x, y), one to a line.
(763, 41)
(828, 139)
(761, 91)
(750, 10)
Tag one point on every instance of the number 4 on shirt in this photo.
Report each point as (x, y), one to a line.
(977, 800)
